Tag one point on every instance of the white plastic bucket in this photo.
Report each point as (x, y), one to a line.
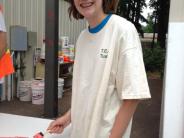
(37, 92)
(60, 87)
(60, 91)
(24, 90)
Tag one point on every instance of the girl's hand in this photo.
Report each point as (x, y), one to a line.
(58, 125)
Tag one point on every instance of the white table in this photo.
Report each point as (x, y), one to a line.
(15, 125)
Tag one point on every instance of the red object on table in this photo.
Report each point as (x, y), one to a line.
(38, 135)
(66, 59)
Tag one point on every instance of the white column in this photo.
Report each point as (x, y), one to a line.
(172, 117)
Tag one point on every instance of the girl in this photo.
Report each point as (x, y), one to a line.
(109, 76)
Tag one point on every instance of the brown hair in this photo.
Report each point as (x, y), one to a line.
(109, 6)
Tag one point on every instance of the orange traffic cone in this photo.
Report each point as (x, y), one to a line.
(6, 65)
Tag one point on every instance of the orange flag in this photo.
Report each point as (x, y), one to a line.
(6, 65)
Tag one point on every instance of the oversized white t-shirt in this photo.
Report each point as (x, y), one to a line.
(108, 68)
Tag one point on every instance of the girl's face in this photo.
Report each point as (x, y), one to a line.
(89, 8)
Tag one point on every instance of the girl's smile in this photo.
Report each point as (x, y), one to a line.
(92, 10)
(86, 4)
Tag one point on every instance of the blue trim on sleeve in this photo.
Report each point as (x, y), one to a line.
(100, 26)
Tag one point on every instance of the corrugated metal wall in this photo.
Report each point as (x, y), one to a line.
(31, 13)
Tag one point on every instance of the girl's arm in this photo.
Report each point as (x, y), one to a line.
(123, 118)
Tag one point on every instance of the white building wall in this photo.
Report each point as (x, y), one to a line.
(31, 14)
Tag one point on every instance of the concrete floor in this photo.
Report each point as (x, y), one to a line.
(145, 123)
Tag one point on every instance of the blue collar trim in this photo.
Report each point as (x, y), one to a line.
(100, 26)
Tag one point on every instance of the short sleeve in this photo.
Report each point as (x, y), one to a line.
(2, 23)
(131, 79)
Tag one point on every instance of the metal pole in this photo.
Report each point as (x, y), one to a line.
(51, 64)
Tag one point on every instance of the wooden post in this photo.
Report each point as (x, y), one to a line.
(51, 64)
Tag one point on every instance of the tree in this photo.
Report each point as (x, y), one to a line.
(163, 19)
(150, 25)
(132, 10)
(161, 15)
